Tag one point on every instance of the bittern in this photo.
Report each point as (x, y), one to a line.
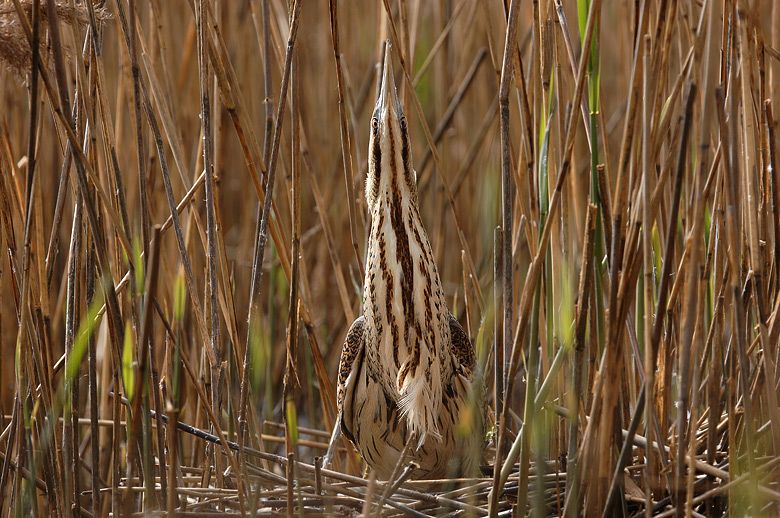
(407, 369)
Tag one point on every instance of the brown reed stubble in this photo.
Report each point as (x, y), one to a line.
(683, 222)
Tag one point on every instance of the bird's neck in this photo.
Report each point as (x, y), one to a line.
(404, 304)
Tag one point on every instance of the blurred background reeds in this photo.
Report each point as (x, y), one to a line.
(183, 230)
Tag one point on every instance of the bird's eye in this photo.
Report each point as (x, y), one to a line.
(403, 123)
(374, 124)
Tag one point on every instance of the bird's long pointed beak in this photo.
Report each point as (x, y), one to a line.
(387, 102)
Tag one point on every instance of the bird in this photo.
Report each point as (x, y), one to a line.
(407, 378)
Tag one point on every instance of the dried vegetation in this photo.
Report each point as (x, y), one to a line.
(183, 231)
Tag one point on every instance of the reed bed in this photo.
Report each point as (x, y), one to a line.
(183, 233)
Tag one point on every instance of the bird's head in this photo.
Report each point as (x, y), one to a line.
(389, 150)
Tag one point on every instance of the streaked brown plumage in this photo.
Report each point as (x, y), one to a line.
(407, 369)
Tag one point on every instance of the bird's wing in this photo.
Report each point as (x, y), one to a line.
(349, 370)
(351, 353)
(461, 348)
(353, 344)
